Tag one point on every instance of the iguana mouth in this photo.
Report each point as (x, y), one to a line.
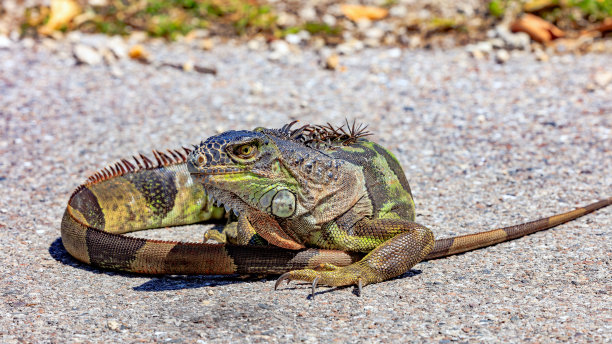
(219, 197)
(216, 171)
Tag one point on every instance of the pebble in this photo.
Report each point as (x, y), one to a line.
(502, 56)
(374, 33)
(279, 49)
(207, 44)
(602, 79)
(256, 43)
(293, 39)
(398, 11)
(113, 325)
(118, 46)
(541, 55)
(286, 19)
(308, 14)
(86, 54)
(329, 19)
(5, 42)
(332, 62)
(519, 40)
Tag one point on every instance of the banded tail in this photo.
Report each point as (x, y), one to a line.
(464, 243)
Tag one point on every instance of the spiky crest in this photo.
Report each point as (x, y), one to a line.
(143, 163)
(318, 136)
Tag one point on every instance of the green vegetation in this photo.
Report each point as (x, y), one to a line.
(594, 10)
(497, 8)
(173, 18)
(564, 12)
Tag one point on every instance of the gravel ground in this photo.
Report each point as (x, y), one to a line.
(483, 145)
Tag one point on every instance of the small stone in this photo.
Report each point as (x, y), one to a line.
(390, 40)
(485, 47)
(308, 14)
(329, 19)
(113, 325)
(502, 56)
(363, 24)
(117, 45)
(74, 36)
(541, 56)
(497, 43)
(256, 43)
(350, 46)
(188, 66)
(280, 49)
(293, 39)
(86, 54)
(286, 19)
(332, 62)
(518, 40)
(398, 11)
(372, 42)
(138, 36)
(46, 42)
(257, 88)
(602, 79)
(394, 53)
(413, 41)
(317, 43)
(108, 56)
(5, 42)
(28, 42)
(207, 44)
(477, 54)
(116, 71)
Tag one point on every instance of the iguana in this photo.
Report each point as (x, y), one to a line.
(320, 204)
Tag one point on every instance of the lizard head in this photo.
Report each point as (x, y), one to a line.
(242, 168)
(281, 172)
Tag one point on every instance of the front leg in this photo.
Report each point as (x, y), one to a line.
(411, 243)
(267, 228)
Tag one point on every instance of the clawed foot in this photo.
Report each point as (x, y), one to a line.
(328, 275)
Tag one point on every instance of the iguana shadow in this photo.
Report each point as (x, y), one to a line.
(178, 282)
(322, 289)
(157, 282)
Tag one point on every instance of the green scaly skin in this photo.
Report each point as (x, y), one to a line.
(334, 196)
(319, 204)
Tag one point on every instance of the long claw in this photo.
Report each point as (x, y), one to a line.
(283, 277)
(314, 286)
(359, 286)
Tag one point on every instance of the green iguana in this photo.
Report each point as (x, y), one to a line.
(319, 204)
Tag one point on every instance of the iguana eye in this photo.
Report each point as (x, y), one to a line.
(245, 151)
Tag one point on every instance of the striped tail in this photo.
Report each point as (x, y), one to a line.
(459, 244)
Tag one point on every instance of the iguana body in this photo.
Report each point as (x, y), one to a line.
(319, 204)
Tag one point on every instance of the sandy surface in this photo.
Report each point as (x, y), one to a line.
(483, 145)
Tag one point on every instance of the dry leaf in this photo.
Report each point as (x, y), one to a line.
(356, 12)
(138, 52)
(538, 5)
(332, 62)
(537, 28)
(62, 12)
(605, 26)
